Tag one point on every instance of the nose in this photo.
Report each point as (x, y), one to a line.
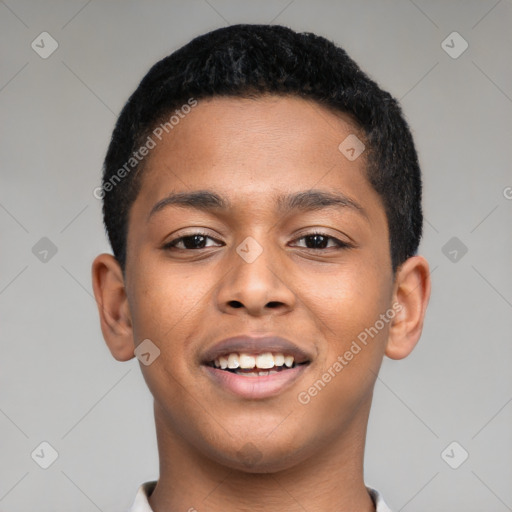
(256, 284)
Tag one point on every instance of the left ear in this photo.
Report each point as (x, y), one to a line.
(410, 300)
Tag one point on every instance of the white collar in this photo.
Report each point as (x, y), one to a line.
(141, 503)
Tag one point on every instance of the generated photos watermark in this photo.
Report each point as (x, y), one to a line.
(151, 142)
(343, 360)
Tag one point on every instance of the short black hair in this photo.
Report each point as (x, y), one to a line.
(248, 61)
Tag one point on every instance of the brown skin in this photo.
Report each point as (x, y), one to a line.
(308, 457)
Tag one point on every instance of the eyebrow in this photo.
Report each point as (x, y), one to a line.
(308, 200)
(199, 199)
(317, 200)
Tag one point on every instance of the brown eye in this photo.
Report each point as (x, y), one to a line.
(316, 241)
(321, 241)
(193, 241)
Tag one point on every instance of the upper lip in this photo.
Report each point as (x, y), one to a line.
(256, 345)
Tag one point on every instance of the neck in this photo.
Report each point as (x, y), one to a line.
(330, 479)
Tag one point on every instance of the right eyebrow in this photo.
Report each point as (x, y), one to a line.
(199, 199)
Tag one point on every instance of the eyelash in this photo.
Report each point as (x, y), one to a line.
(339, 244)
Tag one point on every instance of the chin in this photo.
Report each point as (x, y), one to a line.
(260, 457)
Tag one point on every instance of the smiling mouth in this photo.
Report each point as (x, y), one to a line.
(255, 365)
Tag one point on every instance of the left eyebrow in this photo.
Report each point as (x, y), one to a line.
(317, 200)
(308, 200)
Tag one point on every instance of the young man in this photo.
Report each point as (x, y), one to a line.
(262, 197)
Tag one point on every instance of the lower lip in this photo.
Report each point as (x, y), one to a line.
(254, 388)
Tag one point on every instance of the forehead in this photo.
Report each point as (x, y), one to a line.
(254, 150)
(276, 123)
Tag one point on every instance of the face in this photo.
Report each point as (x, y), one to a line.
(288, 241)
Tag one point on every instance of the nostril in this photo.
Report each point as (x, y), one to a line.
(237, 304)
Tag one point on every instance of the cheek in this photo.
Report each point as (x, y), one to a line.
(348, 300)
(345, 373)
(163, 302)
(347, 309)
(166, 308)
(164, 305)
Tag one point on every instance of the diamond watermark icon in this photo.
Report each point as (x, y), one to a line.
(454, 45)
(146, 352)
(249, 249)
(44, 455)
(352, 147)
(44, 45)
(454, 249)
(44, 250)
(454, 455)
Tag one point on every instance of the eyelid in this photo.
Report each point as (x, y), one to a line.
(193, 232)
(340, 244)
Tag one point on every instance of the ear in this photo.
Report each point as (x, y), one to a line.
(410, 300)
(115, 317)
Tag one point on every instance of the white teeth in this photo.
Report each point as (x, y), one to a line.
(233, 361)
(278, 359)
(265, 361)
(247, 361)
(261, 373)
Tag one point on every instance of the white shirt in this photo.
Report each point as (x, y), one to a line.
(141, 503)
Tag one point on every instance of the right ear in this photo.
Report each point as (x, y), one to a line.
(115, 317)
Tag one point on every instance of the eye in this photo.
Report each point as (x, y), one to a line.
(192, 241)
(195, 241)
(321, 241)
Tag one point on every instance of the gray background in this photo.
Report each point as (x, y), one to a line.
(58, 381)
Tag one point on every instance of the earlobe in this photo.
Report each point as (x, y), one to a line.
(411, 295)
(115, 317)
